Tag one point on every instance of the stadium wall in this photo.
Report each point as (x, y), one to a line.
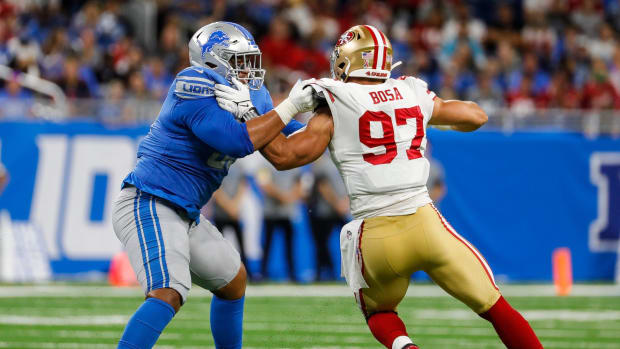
(516, 197)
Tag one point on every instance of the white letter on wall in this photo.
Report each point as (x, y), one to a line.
(113, 156)
(46, 201)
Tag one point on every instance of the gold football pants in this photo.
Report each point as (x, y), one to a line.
(394, 247)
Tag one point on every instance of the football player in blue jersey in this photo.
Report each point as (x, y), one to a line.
(181, 162)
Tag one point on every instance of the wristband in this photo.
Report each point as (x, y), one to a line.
(286, 111)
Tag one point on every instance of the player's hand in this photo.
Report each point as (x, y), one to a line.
(237, 101)
(300, 99)
(302, 96)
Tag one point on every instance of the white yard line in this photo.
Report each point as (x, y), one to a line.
(8, 319)
(39, 345)
(415, 290)
(257, 325)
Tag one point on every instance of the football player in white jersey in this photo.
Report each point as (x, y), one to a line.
(375, 128)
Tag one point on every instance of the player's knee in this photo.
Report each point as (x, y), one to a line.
(235, 289)
(168, 295)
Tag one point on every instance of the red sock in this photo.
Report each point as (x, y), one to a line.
(511, 327)
(386, 327)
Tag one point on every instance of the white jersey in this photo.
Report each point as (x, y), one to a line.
(379, 141)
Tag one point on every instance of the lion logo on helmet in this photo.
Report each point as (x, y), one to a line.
(216, 38)
(346, 37)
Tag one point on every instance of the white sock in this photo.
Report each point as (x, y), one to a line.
(401, 341)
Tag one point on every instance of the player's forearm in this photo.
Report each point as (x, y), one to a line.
(477, 118)
(278, 154)
(264, 129)
(464, 116)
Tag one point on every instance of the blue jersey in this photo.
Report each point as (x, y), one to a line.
(193, 142)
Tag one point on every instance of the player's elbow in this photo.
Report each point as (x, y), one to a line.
(477, 116)
(282, 167)
(237, 149)
(281, 163)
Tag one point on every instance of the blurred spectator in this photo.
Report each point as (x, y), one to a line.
(604, 45)
(539, 77)
(599, 93)
(227, 201)
(300, 15)
(462, 25)
(561, 93)
(115, 109)
(282, 191)
(328, 207)
(502, 28)
(521, 100)
(327, 24)
(313, 61)
(15, 101)
(614, 70)
(537, 35)
(425, 35)
(487, 93)
(157, 78)
(587, 16)
(54, 50)
(462, 44)
(450, 44)
(26, 53)
(90, 53)
(279, 40)
(169, 44)
(70, 81)
(140, 103)
(111, 26)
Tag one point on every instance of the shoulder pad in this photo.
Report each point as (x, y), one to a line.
(413, 80)
(326, 85)
(196, 82)
(329, 82)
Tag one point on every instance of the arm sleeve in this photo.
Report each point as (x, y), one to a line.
(216, 127)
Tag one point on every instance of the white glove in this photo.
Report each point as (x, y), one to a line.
(302, 95)
(237, 101)
(301, 99)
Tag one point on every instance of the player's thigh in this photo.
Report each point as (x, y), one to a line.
(156, 240)
(214, 262)
(457, 266)
(388, 282)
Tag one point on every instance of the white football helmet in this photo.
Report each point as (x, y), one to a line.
(230, 50)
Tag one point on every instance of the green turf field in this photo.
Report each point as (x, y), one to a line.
(301, 317)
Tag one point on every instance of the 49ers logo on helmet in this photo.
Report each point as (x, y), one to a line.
(344, 38)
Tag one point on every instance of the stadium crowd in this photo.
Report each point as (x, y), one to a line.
(523, 55)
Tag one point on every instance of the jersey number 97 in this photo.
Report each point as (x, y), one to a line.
(388, 140)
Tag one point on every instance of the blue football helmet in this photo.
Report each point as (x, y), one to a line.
(230, 50)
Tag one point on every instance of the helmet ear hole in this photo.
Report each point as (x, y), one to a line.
(341, 65)
(210, 65)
